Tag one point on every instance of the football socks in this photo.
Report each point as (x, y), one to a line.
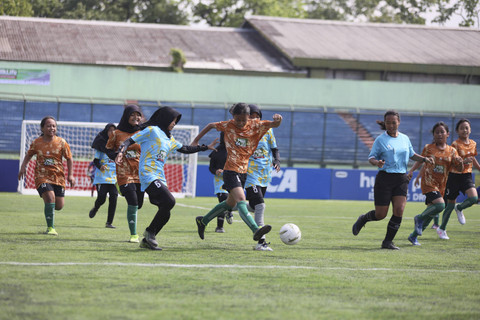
(246, 216)
(446, 215)
(132, 219)
(216, 211)
(49, 211)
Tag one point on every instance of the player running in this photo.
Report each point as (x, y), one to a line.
(49, 174)
(242, 136)
(434, 177)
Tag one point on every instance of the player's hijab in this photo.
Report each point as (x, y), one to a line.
(123, 125)
(101, 139)
(255, 109)
(162, 118)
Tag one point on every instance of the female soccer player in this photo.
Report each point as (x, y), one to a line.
(127, 171)
(460, 180)
(157, 143)
(217, 162)
(242, 136)
(434, 177)
(105, 175)
(390, 153)
(259, 174)
(49, 174)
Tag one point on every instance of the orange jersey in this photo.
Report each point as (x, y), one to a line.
(435, 175)
(464, 151)
(127, 172)
(49, 168)
(241, 142)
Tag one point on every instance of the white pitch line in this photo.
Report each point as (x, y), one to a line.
(224, 266)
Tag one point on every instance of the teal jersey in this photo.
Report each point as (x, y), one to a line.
(260, 164)
(156, 147)
(109, 176)
(218, 183)
(394, 151)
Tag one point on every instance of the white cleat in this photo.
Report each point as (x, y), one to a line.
(460, 216)
(442, 234)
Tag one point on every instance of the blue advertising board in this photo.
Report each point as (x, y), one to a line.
(294, 183)
(358, 185)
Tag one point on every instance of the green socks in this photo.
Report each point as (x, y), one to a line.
(216, 211)
(432, 211)
(446, 215)
(49, 211)
(467, 203)
(132, 219)
(246, 216)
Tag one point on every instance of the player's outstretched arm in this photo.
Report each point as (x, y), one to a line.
(204, 131)
(277, 120)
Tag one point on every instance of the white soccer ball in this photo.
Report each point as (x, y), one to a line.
(290, 234)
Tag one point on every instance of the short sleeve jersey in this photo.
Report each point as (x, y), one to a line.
(241, 142)
(156, 147)
(127, 172)
(395, 151)
(109, 176)
(435, 175)
(260, 163)
(464, 151)
(49, 163)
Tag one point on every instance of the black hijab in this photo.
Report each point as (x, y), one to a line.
(255, 109)
(162, 119)
(123, 125)
(220, 147)
(101, 139)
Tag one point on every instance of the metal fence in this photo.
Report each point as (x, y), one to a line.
(320, 135)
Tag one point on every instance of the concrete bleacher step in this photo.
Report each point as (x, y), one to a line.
(362, 133)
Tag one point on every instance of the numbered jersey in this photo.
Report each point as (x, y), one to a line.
(49, 168)
(435, 175)
(127, 172)
(156, 147)
(241, 142)
(109, 175)
(464, 151)
(260, 164)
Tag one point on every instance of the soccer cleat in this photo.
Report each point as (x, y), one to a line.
(229, 217)
(460, 216)
(92, 213)
(413, 240)
(357, 226)
(149, 237)
(144, 244)
(219, 230)
(200, 227)
(435, 226)
(262, 247)
(109, 225)
(134, 238)
(418, 225)
(261, 231)
(442, 234)
(389, 245)
(51, 231)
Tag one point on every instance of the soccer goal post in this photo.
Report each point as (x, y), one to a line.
(180, 169)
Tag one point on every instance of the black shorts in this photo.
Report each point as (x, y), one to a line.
(429, 197)
(232, 179)
(388, 185)
(58, 190)
(458, 182)
(255, 195)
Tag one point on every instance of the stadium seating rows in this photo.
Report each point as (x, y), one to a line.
(306, 136)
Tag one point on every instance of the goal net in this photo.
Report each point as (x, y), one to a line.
(180, 169)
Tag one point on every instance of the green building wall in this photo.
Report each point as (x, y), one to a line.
(86, 82)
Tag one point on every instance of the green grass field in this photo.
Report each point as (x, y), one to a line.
(90, 272)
